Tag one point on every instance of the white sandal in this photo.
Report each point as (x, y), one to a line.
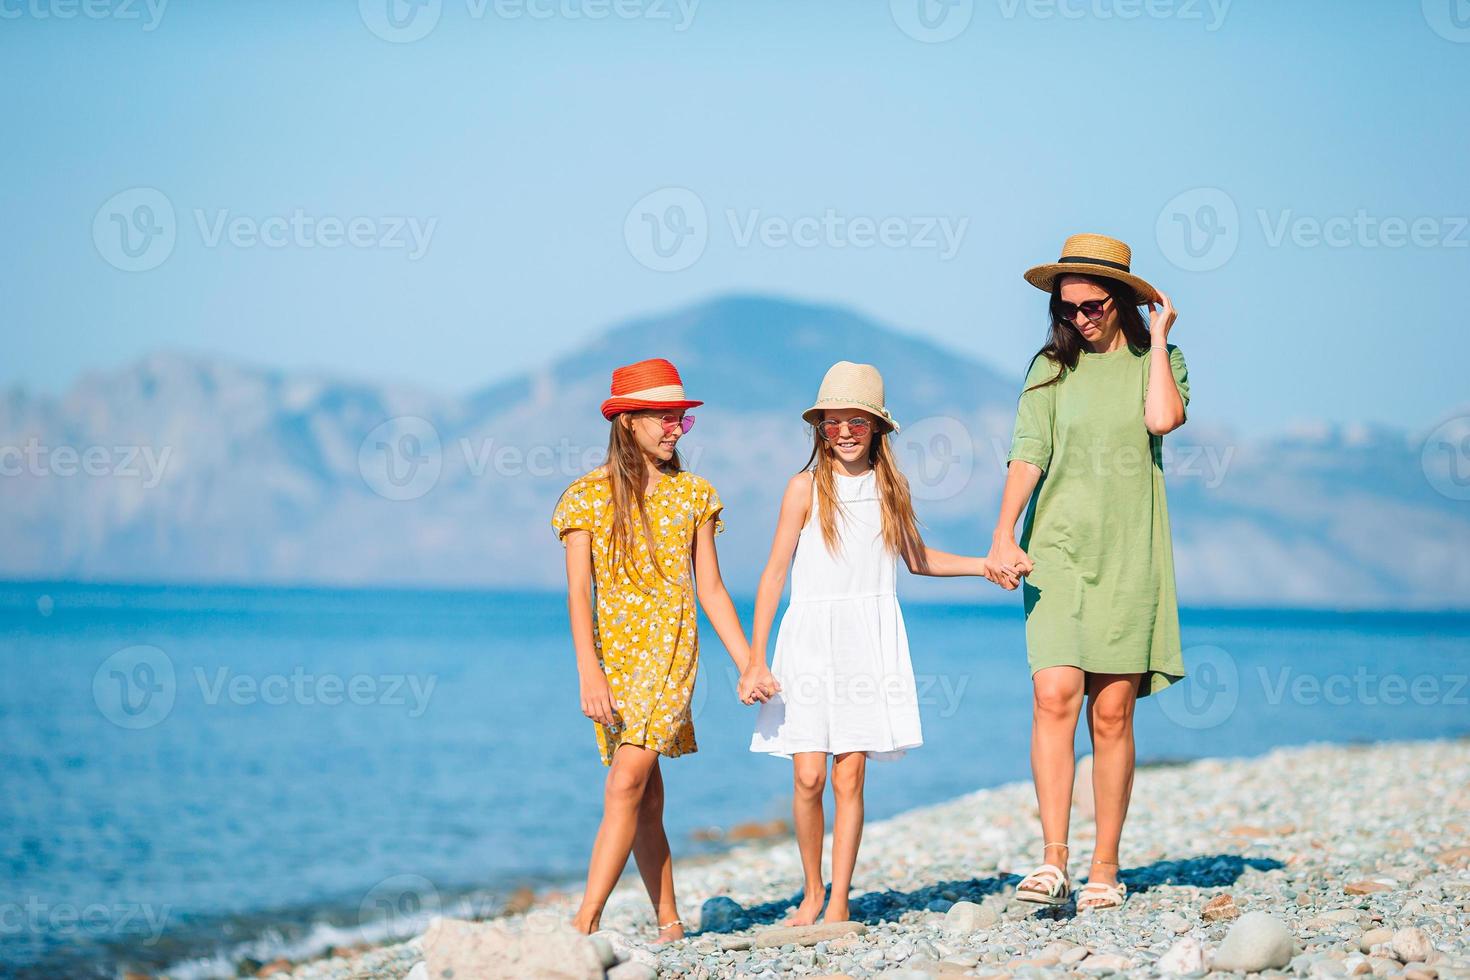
(1054, 886)
(1100, 896)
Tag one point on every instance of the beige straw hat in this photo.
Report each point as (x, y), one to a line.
(849, 385)
(1094, 255)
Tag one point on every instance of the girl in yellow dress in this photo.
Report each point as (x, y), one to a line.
(640, 537)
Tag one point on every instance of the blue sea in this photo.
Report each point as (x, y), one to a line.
(195, 775)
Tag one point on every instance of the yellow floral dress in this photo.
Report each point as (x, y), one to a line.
(645, 626)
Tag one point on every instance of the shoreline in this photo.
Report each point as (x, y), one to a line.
(1285, 833)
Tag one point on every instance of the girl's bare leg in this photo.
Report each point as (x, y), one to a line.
(1110, 702)
(809, 777)
(651, 852)
(849, 771)
(622, 798)
(1057, 700)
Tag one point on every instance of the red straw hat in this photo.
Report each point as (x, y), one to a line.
(650, 384)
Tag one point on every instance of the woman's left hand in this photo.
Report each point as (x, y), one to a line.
(1160, 319)
(757, 683)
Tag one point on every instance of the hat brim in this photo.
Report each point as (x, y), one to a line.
(1044, 278)
(813, 415)
(616, 406)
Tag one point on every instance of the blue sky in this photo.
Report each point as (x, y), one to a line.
(517, 138)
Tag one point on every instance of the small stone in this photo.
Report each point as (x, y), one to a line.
(1220, 908)
(721, 914)
(1410, 945)
(605, 951)
(968, 917)
(1374, 937)
(420, 971)
(1074, 955)
(1340, 915)
(632, 970)
(1366, 887)
(1357, 965)
(1257, 941)
(1249, 830)
(1105, 963)
(1454, 856)
(1186, 958)
(1175, 922)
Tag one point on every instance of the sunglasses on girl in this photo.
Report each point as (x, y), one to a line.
(670, 422)
(832, 428)
(1092, 309)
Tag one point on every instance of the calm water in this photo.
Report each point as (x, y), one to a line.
(192, 773)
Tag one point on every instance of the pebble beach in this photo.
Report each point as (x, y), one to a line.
(1316, 861)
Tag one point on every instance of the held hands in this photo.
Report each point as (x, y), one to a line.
(597, 702)
(1006, 563)
(1161, 320)
(756, 682)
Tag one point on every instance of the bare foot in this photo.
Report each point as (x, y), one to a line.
(806, 913)
(586, 925)
(837, 912)
(671, 933)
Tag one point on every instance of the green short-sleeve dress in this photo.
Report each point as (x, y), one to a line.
(1101, 596)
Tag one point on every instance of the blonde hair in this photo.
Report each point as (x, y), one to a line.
(627, 473)
(900, 525)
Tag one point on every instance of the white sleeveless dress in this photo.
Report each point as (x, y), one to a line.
(842, 654)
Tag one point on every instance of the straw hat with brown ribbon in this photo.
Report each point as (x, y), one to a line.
(1094, 255)
(849, 385)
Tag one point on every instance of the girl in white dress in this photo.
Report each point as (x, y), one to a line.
(842, 656)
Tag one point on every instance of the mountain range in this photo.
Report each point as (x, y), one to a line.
(188, 467)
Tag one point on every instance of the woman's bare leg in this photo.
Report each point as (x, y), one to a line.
(622, 798)
(849, 770)
(651, 852)
(1111, 699)
(809, 781)
(1056, 703)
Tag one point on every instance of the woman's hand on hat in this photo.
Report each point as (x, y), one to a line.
(1161, 317)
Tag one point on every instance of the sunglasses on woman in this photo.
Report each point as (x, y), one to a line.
(671, 421)
(832, 428)
(1092, 309)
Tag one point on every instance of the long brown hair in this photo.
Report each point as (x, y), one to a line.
(627, 472)
(900, 526)
(1064, 345)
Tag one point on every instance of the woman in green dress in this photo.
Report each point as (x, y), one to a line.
(1095, 558)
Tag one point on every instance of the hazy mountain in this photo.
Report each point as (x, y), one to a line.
(189, 467)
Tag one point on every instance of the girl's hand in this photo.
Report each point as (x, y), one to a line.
(1161, 320)
(1006, 563)
(597, 702)
(757, 683)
